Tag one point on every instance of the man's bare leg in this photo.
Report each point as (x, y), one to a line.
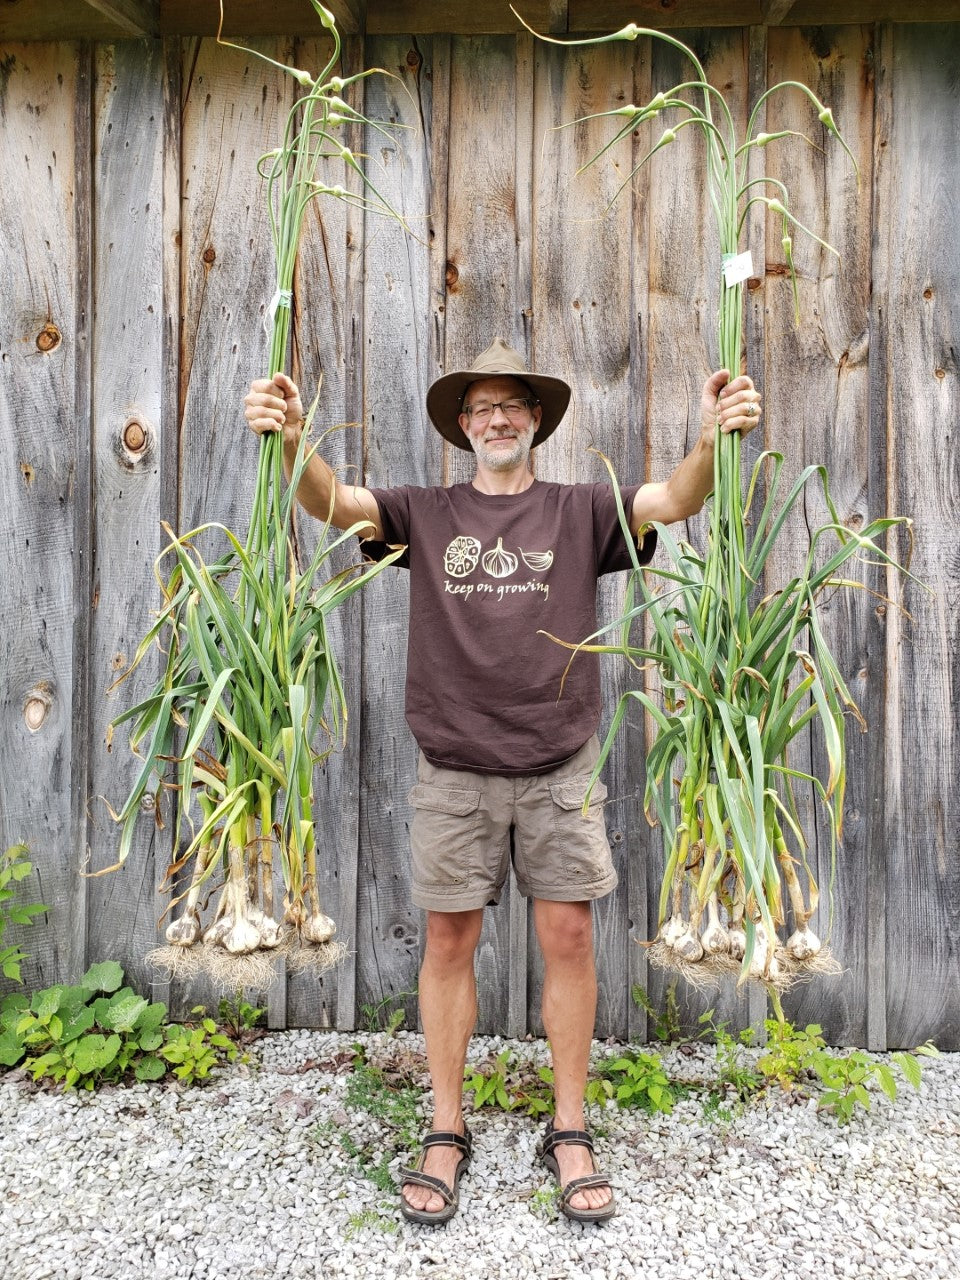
(448, 1010)
(565, 932)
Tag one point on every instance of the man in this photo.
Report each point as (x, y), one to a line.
(504, 761)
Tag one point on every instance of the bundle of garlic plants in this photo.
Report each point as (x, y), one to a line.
(741, 677)
(251, 697)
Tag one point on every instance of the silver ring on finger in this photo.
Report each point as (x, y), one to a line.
(750, 410)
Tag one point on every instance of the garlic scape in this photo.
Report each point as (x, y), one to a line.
(251, 698)
(737, 670)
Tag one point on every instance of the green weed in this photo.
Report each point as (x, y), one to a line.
(639, 1080)
(101, 1031)
(15, 866)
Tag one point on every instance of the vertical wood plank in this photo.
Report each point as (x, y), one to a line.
(640, 844)
(169, 452)
(520, 921)
(82, 539)
(232, 110)
(487, 275)
(754, 344)
(917, 192)
(43, 331)
(817, 385)
(488, 169)
(875, 904)
(583, 331)
(324, 311)
(681, 350)
(126, 447)
(400, 447)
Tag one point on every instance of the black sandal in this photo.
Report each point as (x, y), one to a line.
(575, 1138)
(450, 1195)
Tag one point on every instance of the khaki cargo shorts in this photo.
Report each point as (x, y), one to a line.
(468, 827)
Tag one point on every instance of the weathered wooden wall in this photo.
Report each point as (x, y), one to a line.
(136, 267)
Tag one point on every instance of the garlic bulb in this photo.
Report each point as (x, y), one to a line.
(688, 946)
(715, 940)
(803, 944)
(318, 928)
(738, 943)
(674, 928)
(764, 963)
(271, 935)
(183, 932)
(242, 938)
(216, 932)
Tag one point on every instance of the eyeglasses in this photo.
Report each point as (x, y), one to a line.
(513, 409)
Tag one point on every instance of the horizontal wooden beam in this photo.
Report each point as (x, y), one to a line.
(45, 20)
(610, 15)
(133, 17)
(23, 20)
(351, 15)
(246, 18)
(775, 11)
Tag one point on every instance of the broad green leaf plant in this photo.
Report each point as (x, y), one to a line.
(251, 698)
(741, 677)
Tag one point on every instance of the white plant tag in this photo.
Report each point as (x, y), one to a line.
(737, 267)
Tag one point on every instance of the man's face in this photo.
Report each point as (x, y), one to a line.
(497, 422)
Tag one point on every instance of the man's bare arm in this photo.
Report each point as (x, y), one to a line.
(725, 404)
(275, 405)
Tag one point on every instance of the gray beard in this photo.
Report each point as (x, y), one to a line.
(500, 460)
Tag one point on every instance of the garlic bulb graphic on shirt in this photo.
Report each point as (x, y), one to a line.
(499, 563)
(461, 556)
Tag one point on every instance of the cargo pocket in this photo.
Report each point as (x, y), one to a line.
(445, 826)
(585, 853)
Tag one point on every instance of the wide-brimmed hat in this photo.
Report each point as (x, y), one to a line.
(445, 397)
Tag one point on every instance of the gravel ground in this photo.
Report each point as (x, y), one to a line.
(269, 1171)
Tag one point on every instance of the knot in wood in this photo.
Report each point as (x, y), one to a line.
(133, 443)
(209, 255)
(134, 436)
(49, 337)
(413, 59)
(452, 275)
(36, 706)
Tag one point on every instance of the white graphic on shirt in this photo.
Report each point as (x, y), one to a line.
(499, 563)
(464, 555)
(537, 561)
(461, 556)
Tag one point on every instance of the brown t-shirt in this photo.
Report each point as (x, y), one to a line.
(488, 573)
